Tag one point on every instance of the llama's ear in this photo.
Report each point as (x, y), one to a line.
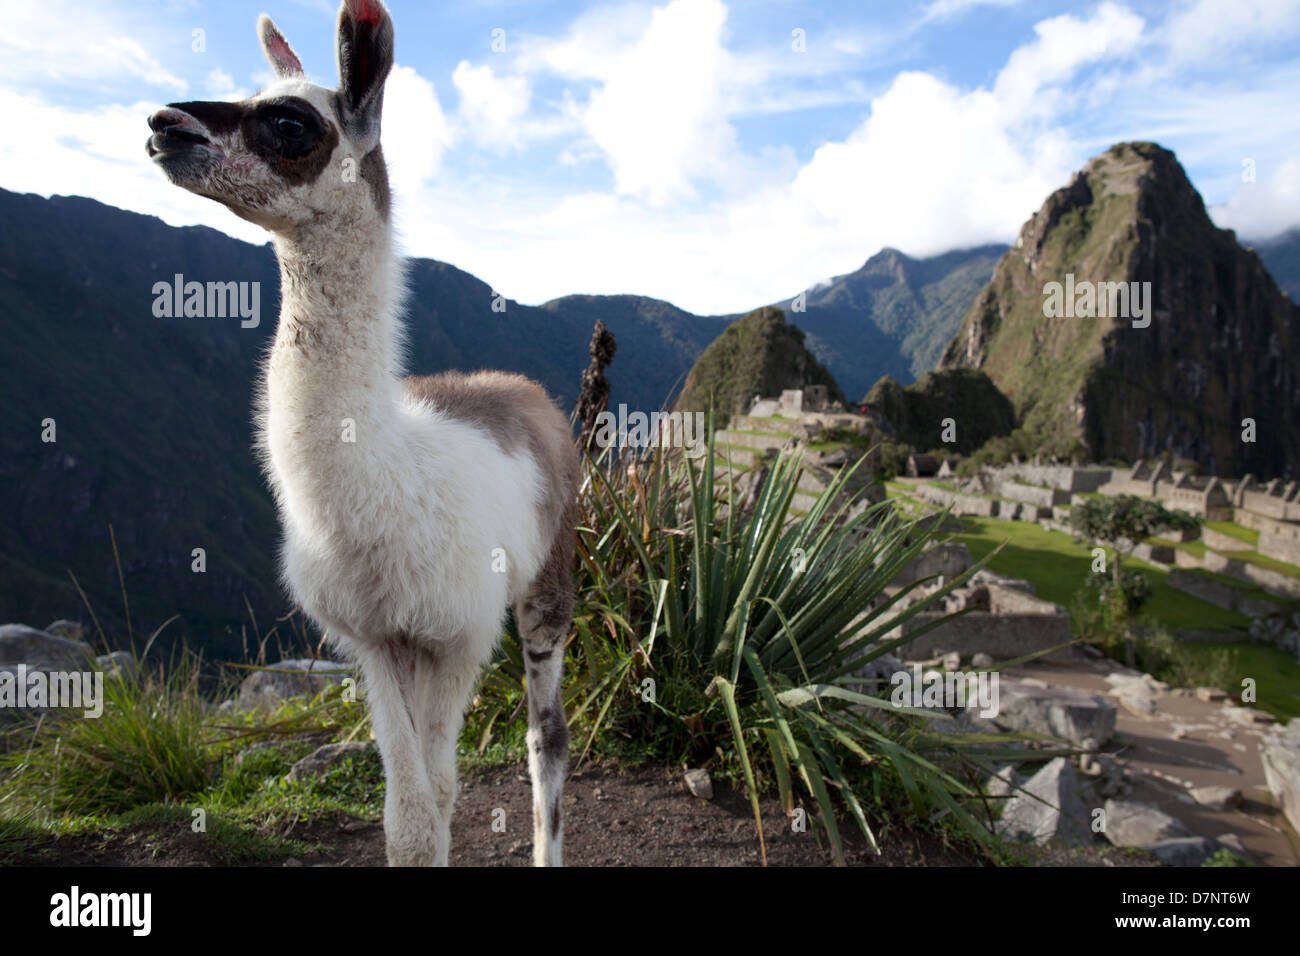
(365, 57)
(282, 59)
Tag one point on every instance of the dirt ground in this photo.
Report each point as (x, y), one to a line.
(615, 816)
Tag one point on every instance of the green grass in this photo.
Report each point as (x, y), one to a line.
(1263, 561)
(1191, 547)
(1232, 530)
(1275, 673)
(1058, 567)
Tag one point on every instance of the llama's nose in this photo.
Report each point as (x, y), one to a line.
(169, 118)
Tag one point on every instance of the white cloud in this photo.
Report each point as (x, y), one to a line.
(69, 41)
(658, 115)
(1200, 32)
(415, 131)
(492, 108)
(1062, 46)
(950, 9)
(1266, 206)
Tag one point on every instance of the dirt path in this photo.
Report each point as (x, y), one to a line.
(1189, 742)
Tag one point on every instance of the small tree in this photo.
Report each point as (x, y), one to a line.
(1123, 522)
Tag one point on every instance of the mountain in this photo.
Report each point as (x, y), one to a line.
(893, 316)
(758, 354)
(151, 416)
(1281, 256)
(1207, 338)
(919, 413)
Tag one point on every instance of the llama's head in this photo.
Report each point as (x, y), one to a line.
(295, 154)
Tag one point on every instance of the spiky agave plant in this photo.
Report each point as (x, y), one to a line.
(755, 617)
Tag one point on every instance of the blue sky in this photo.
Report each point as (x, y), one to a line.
(716, 154)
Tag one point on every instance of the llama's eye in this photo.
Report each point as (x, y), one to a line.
(289, 127)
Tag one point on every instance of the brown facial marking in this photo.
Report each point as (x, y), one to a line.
(297, 160)
(375, 172)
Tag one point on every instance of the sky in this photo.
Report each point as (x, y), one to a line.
(719, 155)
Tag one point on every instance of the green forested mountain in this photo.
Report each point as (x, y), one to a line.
(1218, 342)
(758, 354)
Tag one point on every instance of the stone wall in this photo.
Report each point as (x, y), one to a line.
(1220, 594)
(1281, 541)
(948, 559)
(1004, 636)
(1062, 477)
(1033, 495)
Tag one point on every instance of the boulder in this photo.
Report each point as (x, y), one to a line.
(1057, 711)
(1183, 851)
(69, 629)
(1050, 808)
(1003, 783)
(39, 650)
(322, 758)
(1280, 755)
(1130, 823)
(295, 678)
(120, 664)
(1216, 798)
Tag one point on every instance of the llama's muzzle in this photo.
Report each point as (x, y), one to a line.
(174, 130)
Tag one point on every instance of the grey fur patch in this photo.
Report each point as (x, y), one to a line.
(518, 414)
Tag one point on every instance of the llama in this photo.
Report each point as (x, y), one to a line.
(414, 510)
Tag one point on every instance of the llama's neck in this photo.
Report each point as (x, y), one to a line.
(334, 364)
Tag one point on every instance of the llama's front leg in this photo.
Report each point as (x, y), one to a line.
(416, 832)
(445, 678)
(548, 730)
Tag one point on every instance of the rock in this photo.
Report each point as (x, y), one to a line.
(295, 678)
(1233, 842)
(952, 661)
(1113, 780)
(322, 758)
(1280, 755)
(1090, 745)
(1130, 823)
(1004, 782)
(120, 664)
(982, 660)
(71, 630)
(20, 644)
(1183, 851)
(1216, 798)
(1059, 712)
(880, 669)
(1212, 694)
(1051, 808)
(699, 783)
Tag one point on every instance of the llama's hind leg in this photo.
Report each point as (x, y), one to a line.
(544, 616)
(416, 832)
